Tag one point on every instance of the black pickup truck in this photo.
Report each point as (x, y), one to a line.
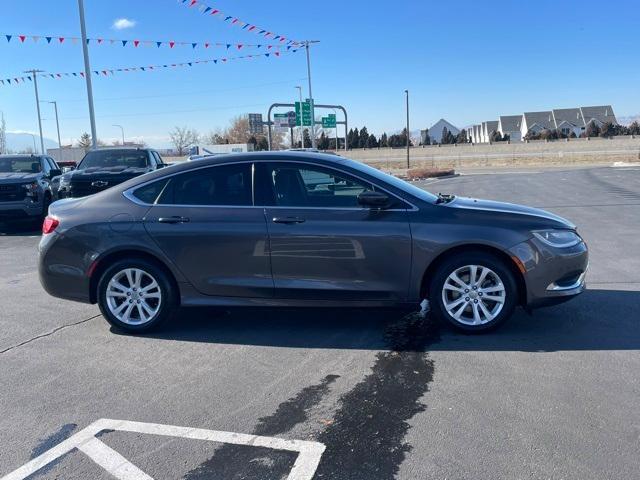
(106, 167)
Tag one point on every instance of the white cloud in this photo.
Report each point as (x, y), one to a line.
(123, 23)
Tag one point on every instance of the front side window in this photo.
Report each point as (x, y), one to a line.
(309, 186)
(20, 165)
(115, 158)
(221, 185)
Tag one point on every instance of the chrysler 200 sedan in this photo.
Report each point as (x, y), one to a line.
(302, 229)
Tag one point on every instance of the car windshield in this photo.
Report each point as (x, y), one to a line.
(20, 165)
(115, 158)
(393, 181)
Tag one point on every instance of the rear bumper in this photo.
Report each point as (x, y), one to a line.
(551, 275)
(20, 209)
(57, 276)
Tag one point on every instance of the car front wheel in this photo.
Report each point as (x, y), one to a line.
(135, 295)
(475, 292)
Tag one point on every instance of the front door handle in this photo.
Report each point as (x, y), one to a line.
(176, 219)
(288, 220)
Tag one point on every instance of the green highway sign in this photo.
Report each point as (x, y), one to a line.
(329, 121)
(305, 115)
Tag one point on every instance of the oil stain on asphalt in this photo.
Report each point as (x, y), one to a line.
(49, 442)
(231, 462)
(366, 439)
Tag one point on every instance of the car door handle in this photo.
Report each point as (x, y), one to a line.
(175, 219)
(288, 220)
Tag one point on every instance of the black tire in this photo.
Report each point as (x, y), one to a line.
(485, 260)
(166, 305)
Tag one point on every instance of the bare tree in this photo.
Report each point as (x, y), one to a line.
(183, 137)
(3, 135)
(215, 137)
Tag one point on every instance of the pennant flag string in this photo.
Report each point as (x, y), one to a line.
(230, 19)
(106, 72)
(135, 43)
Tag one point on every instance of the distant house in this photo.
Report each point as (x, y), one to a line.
(536, 122)
(487, 129)
(568, 120)
(598, 115)
(435, 132)
(510, 125)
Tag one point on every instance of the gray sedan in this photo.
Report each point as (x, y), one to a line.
(303, 229)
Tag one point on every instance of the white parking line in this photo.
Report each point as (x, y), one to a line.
(309, 453)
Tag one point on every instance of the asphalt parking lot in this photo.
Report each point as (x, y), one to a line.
(390, 395)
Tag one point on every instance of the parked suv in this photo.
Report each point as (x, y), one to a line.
(26, 185)
(106, 167)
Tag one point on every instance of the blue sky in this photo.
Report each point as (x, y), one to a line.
(466, 61)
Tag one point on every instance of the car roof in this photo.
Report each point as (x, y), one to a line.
(22, 155)
(299, 156)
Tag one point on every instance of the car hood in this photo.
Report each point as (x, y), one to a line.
(509, 208)
(9, 177)
(107, 171)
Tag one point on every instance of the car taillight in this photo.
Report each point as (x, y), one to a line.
(49, 225)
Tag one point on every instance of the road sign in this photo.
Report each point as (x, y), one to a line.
(292, 119)
(329, 121)
(281, 122)
(305, 115)
(256, 124)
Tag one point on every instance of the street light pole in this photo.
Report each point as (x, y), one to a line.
(87, 75)
(122, 129)
(34, 73)
(301, 126)
(408, 134)
(55, 107)
(313, 116)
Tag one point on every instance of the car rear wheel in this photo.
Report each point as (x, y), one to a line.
(135, 295)
(475, 292)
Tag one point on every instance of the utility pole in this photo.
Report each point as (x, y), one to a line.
(55, 107)
(122, 129)
(408, 134)
(87, 75)
(313, 116)
(301, 126)
(34, 73)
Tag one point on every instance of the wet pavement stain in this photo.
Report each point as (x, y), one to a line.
(48, 443)
(366, 438)
(232, 462)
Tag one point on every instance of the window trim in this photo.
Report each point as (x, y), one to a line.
(128, 194)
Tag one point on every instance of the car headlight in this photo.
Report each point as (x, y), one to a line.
(558, 238)
(64, 182)
(32, 190)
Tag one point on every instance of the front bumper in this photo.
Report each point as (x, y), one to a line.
(20, 209)
(551, 275)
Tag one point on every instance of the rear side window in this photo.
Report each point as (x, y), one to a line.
(150, 193)
(222, 185)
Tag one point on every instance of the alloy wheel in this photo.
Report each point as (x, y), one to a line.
(473, 295)
(133, 296)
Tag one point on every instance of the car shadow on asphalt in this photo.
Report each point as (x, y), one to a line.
(597, 320)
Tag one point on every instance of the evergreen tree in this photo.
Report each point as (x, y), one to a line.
(372, 141)
(592, 130)
(85, 141)
(350, 138)
(384, 140)
(355, 141)
(462, 137)
(363, 138)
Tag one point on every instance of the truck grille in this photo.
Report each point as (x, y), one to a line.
(12, 193)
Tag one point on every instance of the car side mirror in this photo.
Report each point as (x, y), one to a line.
(373, 199)
(54, 172)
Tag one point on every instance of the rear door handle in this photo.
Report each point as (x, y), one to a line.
(288, 220)
(175, 219)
